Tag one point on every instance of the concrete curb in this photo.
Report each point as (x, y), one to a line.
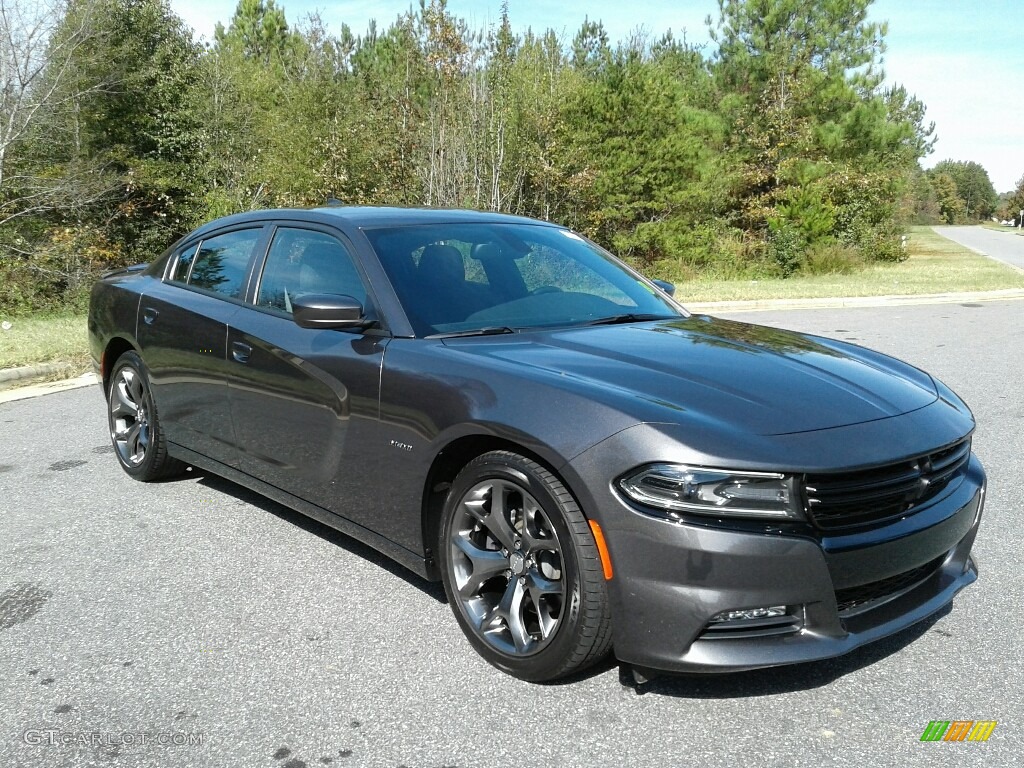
(47, 388)
(33, 371)
(754, 305)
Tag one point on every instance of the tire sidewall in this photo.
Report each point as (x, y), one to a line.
(146, 467)
(551, 660)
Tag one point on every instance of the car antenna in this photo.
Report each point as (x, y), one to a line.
(334, 201)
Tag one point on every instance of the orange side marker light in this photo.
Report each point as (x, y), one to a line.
(602, 549)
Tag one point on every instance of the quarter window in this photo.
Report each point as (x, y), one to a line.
(183, 263)
(305, 261)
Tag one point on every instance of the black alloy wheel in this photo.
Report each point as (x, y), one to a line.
(134, 425)
(522, 571)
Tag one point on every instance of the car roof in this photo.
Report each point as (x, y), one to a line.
(372, 216)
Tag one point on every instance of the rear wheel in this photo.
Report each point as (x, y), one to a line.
(134, 424)
(522, 571)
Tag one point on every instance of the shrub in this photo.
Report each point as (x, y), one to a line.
(832, 258)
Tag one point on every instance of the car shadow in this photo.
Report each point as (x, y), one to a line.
(785, 679)
(217, 483)
(730, 685)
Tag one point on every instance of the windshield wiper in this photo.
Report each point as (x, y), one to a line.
(627, 318)
(491, 330)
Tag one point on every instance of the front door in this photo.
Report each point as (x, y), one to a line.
(303, 400)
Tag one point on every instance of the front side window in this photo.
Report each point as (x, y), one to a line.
(220, 262)
(304, 261)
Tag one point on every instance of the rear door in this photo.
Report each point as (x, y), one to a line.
(182, 331)
(304, 402)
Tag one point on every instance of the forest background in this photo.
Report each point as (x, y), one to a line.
(780, 153)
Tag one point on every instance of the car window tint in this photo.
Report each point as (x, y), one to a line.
(461, 276)
(221, 262)
(470, 270)
(305, 261)
(545, 268)
(183, 263)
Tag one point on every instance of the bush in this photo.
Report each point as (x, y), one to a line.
(56, 272)
(832, 259)
(787, 247)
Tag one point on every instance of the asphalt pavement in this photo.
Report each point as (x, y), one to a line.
(1006, 246)
(192, 623)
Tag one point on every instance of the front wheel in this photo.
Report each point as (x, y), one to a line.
(522, 571)
(134, 425)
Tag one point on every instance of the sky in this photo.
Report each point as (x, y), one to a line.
(964, 59)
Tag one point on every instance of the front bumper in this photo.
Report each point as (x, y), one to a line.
(671, 578)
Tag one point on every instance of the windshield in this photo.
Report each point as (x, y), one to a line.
(457, 278)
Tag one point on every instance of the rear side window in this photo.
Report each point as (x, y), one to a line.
(305, 261)
(219, 263)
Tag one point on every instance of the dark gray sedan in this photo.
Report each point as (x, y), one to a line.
(498, 403)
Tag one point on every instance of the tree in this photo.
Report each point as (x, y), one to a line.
(138, 121)
(447, 54)
(118, 132)
(258, 30)
(106, 177)
(41, 263)
(650, 157)
(1015, 201)
(38, 46)
(973, 187)
(821, 149)
(921, 206)
(243, 101)
(951, 204)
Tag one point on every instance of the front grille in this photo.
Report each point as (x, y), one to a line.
(872, 496)
(852, 598)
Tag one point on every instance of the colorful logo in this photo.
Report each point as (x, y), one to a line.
(958, 730)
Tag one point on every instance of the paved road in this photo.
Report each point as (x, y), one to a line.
(193, 608)
(1007, 246)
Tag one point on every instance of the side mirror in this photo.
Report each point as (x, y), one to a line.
(666, 286)
(328, 310)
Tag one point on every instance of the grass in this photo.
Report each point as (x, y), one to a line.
(56, 339)
(935, 265)
(1000, 228)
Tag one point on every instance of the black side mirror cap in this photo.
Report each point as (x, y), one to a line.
(327, 311)
(666, 286)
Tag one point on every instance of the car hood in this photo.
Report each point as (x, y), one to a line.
(697, 369)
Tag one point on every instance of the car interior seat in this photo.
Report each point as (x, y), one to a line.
(442, 273)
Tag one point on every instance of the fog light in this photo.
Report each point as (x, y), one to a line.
(769, 612)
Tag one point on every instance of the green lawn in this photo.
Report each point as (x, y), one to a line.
(935, 265)
(43, 340)
(1000, 228)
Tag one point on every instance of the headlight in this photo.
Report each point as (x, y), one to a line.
(694, 490)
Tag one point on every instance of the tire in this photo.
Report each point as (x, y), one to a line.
(139, 442)
(524, 577)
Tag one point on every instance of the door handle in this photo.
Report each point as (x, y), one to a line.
(149, 315)
(240, 351)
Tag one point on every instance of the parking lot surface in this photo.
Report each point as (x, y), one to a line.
(192, 623)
